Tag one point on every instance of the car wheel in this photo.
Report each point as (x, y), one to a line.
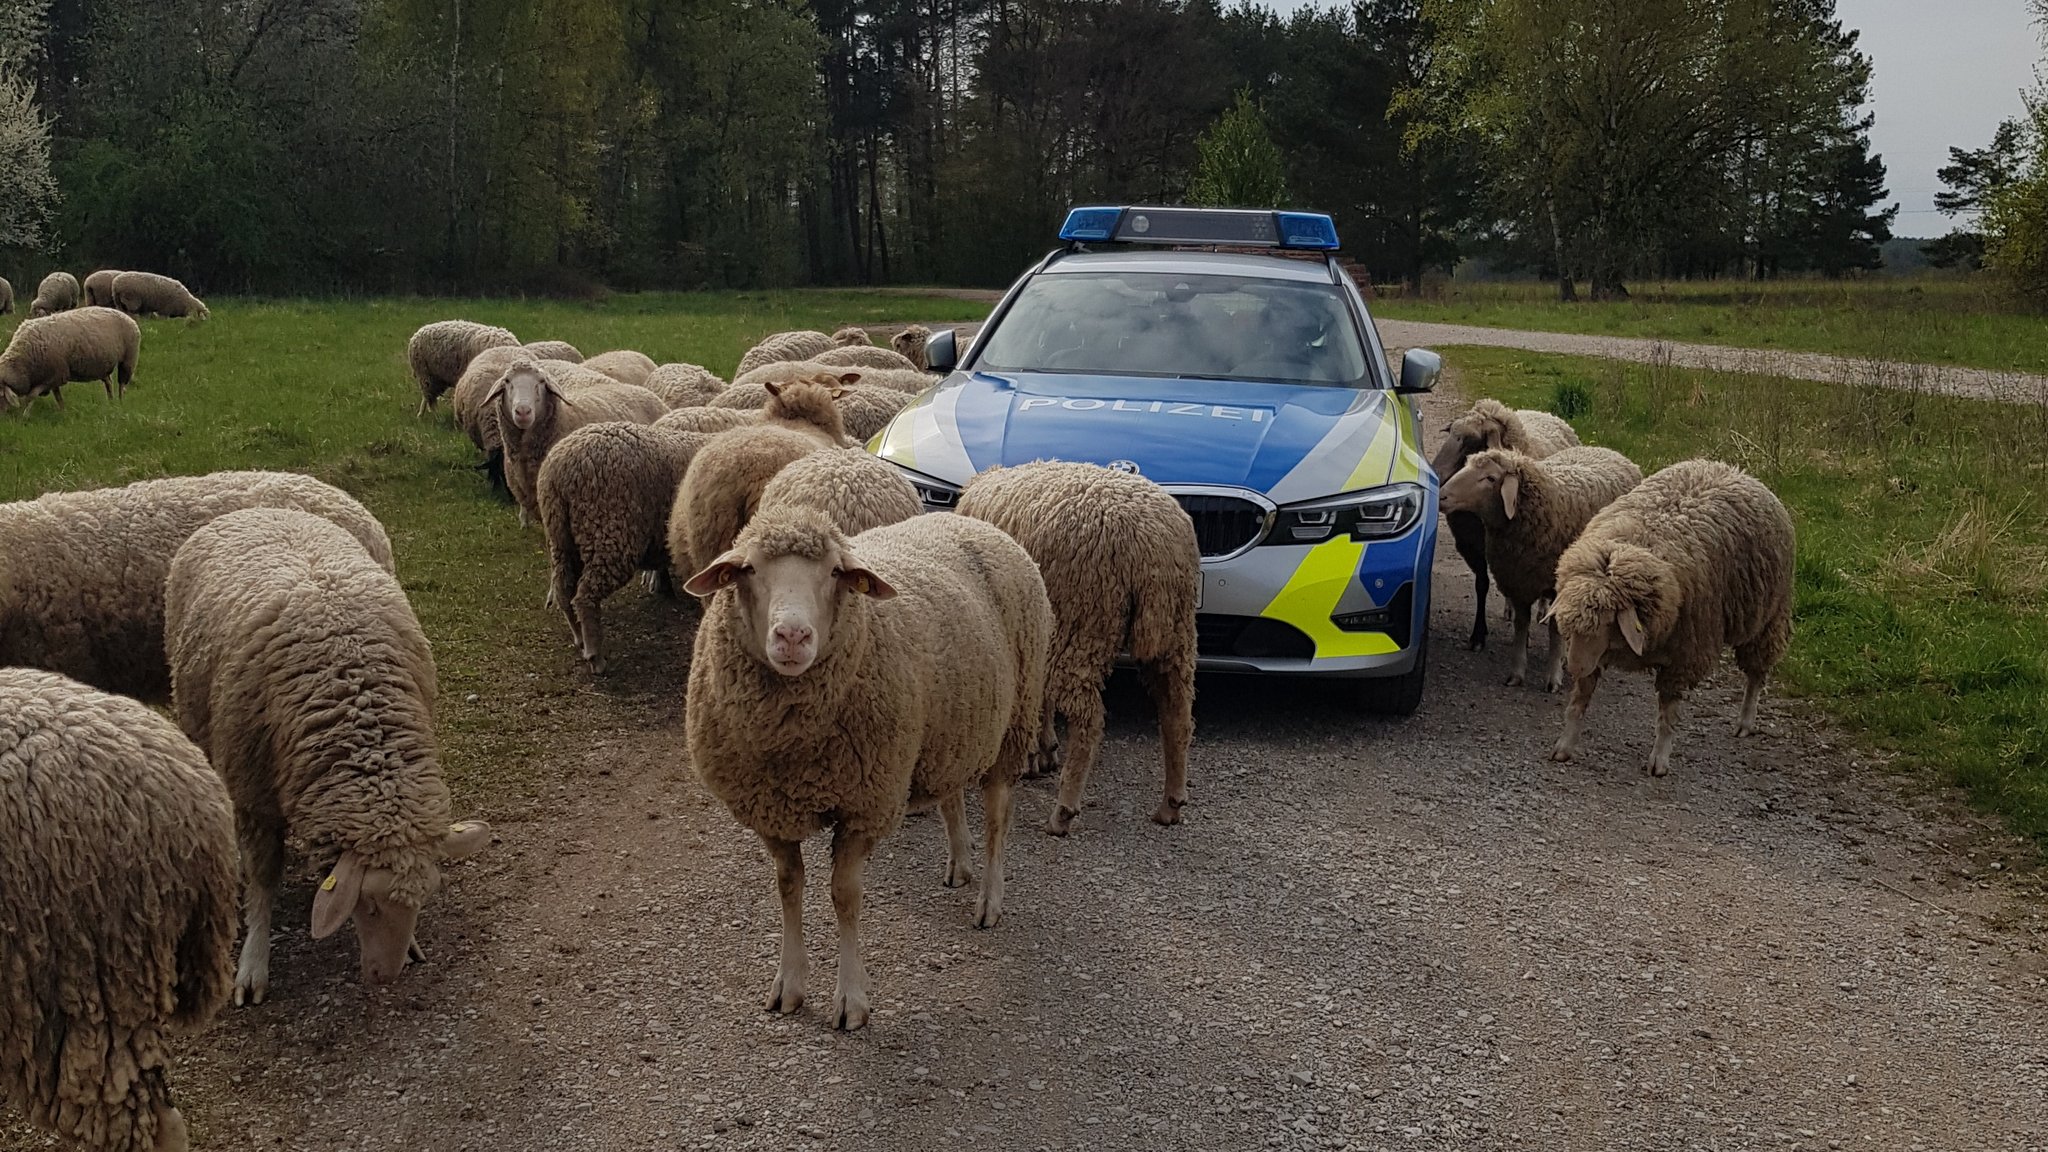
(1400, 695)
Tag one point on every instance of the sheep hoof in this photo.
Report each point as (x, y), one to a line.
(1657, 768)
(250, 991)
(1168, 812)
(986, 913)
(1742, 730)
(1516, 680)
(596, 662)
(849, 1009)
(958, 875)
(414, 953)
(1561, 754)
(1061, 820)
(1477, 643)
(787, 995)
(1555, 684)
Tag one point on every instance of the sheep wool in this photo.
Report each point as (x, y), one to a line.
(554, 350)
(82, 576)
(298, 666)
(898, 379)
(864, 356)
(438, 353)
(840, 682)
(684, 385)
(1531, 511)
(148, 294)
(1697, 557)
(99, 288)
(723, 486)
(117, 886)
(799, 345)
(851, 336)
(1491, 424)
(605, 493)
(80, 344)
(708, 420)
(57, 293)
(910, 344)
(624, 365)
(6, 296)
(538, 404)
(852, 489)
(1123, 570)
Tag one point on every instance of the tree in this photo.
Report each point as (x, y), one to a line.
(28, 193)
(1238, 165)
(1972, 177)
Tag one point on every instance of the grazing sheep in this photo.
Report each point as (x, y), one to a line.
(1695, 558)
(99, 288)
(865, 356)
(605, 494)
(298, 665)
(538, 405)
(1532, 510)
(148, 294)
(6, 296)
(684, 385)
(1491, 424)
(854, 490)
(624, 365)
(80, 344)
(910, 344)
(798, 345)
(117, 873)
(723, 486)
(82, 576)
(899, 379)
(708, 420)
(554, 350)
(439, 352)
(57, 293)
(838, 683)
(853, 335)
(1123, 570)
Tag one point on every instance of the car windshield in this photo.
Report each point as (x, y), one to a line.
(1217, 327)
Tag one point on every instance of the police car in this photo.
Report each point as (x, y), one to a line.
(1252, 386)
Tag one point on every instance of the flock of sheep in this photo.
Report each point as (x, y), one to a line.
(855, 661)
(84, 332)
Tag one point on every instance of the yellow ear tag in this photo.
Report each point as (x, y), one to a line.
(327, 885)
(860, 585)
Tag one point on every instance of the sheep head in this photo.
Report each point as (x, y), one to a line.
(809, 404)
(384, 916)
(1615, 603)
(910, 343)
(791, 576)
(850, 336)
(1489, 484)
(524, 393)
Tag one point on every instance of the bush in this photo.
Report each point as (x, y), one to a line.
(1570, 399)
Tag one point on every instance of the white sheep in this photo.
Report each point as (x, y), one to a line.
(117, 896)
(537, 406)
(624, 365)
(798, 345)
(1697, 557)
(99, 288)
(58, 292)
(708, 420)
(684, 385)
(839, 683)
(1491, 424)
(852, 489)
(148, 294)
(6, 296)
(80, 344)
(554, 350)
(865, 356)
(725, 481)
(910, 342)
(299, 667)
(439, 352)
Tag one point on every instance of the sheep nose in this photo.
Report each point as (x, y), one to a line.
(792, 635)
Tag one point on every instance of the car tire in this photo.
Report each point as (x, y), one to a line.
(1399, 695)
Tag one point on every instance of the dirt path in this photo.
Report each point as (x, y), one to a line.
(1410, 935)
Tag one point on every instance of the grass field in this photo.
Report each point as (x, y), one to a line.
(322, 388)
(1932, 321)
(1923, 545)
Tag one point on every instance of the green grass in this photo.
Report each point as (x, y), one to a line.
(321, 387)
(1922, 616)
(1932, 321)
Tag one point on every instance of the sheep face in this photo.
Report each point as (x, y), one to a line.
(788, 589)
(1615, 617)
(1488, 482)
(356, 892)
(524, 393)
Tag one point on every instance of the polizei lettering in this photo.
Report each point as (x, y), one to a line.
(1160, 407)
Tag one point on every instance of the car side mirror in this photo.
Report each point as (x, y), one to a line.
(1419, 369)
(941, 350)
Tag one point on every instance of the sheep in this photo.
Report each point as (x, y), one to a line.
(1697, 556)
(439, 352)
(82, 576)
(798, 345)
(841, 682)
(1532, 510)
(81, 344)
(1123, 570)
(99, 288)
(536, 407)
(854, 490)
(723, 486)
(684, 385)
(869, 410)
(6, 296)
(853, 335)
(865, 356)
(298, 666)
(476, 418)
(605, 493)
(910, 344)
(1491, 424)
(899, 379)
(148, 294)
(708, 420)
(554, 350)
(117, 869)
(57, 293)
(624, 365)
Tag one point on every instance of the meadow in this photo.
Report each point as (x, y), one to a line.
(322, 388)
(1922, 617)
(1932, 320)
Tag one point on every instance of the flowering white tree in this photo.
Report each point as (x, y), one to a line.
(28, 192)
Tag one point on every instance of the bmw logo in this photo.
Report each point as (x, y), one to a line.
(1126, 466)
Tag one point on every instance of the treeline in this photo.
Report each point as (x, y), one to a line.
(555, 145)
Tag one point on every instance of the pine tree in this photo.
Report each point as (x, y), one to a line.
(1239, 165)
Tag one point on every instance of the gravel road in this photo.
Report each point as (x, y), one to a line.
(1367, 934)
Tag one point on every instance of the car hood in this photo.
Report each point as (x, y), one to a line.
(1289, 442)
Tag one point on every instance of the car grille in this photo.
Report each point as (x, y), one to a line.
(1223, 524)
(1250, 637)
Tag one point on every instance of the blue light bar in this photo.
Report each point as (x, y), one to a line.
(1236, 227)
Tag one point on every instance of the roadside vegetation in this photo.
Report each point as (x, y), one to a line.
(1923, 544)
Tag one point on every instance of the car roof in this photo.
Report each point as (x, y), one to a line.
(1195, 262)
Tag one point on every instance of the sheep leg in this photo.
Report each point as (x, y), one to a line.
(1553, 676)
(1518, 657)
(107, 382)
(1756, 660)
(1575, 716)
(1667, 732)
(995, 817)
(1751, 697)
(1173, 694)
(1084, 740)
(953, 811)
(606, 575)
(1469, 534)
(425, 403)
(262, 871)
(787, 995)
(57, 394)
(849, 858)
(1045, 760)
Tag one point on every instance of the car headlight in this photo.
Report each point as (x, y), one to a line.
(935, 494)
(1375, 514)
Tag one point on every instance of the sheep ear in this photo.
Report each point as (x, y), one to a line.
(463, 840)
(774, 387)
(721, 573)
(1631, 628)
(849, 379)
(1510, 493)
(497, 390)
(1493, 438)
(865, 583)
(336, 900)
